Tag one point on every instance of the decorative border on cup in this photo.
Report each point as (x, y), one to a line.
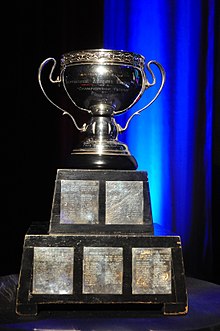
(102, 56)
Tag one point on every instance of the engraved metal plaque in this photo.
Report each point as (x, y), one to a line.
(124, 202)
(102, 270)
(79, 202)
(53, 270)
(151, 271)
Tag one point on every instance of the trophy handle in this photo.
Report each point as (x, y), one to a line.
(163, 76)
(58, 80)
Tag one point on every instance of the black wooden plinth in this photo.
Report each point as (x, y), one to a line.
(61, 274)
(95, 161)
(100, 248)
(101, 201)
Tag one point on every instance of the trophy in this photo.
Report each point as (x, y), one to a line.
(103, 83)
(99, 246)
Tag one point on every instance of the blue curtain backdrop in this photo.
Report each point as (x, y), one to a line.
(172, 140)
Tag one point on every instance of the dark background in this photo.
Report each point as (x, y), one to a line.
(35, 137)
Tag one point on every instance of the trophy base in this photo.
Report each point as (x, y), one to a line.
(101, 269)
(95, 161)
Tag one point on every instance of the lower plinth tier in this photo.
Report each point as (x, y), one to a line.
(101, 269)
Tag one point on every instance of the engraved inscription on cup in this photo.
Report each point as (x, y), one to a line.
(151, 271)
(102, 270)
(53, 270)
(113, 86)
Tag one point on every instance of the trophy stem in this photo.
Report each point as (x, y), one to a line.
(101, 149)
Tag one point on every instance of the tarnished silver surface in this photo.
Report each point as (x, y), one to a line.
(102, 270)
(53, 270)
(124, 202)
(79, 202)
(151, 271)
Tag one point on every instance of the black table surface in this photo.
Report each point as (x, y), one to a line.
(203, 314)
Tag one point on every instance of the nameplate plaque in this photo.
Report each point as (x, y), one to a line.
(53, 270)
(124, 202)
(151, 271)
(102, 270)
(79, 203)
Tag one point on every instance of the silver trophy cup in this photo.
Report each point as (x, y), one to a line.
(104, 83)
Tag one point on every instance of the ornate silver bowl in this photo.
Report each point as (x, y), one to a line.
(104, 83)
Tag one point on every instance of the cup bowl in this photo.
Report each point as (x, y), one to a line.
(103, 82)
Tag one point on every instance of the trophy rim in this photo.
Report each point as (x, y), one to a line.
(102, 56)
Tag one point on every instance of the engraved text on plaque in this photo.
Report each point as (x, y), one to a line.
(102, 270)
(151, 270)
(79, 202)
(53, 270)
(124, 202)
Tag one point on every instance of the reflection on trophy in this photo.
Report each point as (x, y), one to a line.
(103, 83)
(99, 246)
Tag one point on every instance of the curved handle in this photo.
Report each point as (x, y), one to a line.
(163, 76)
(58, 80)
